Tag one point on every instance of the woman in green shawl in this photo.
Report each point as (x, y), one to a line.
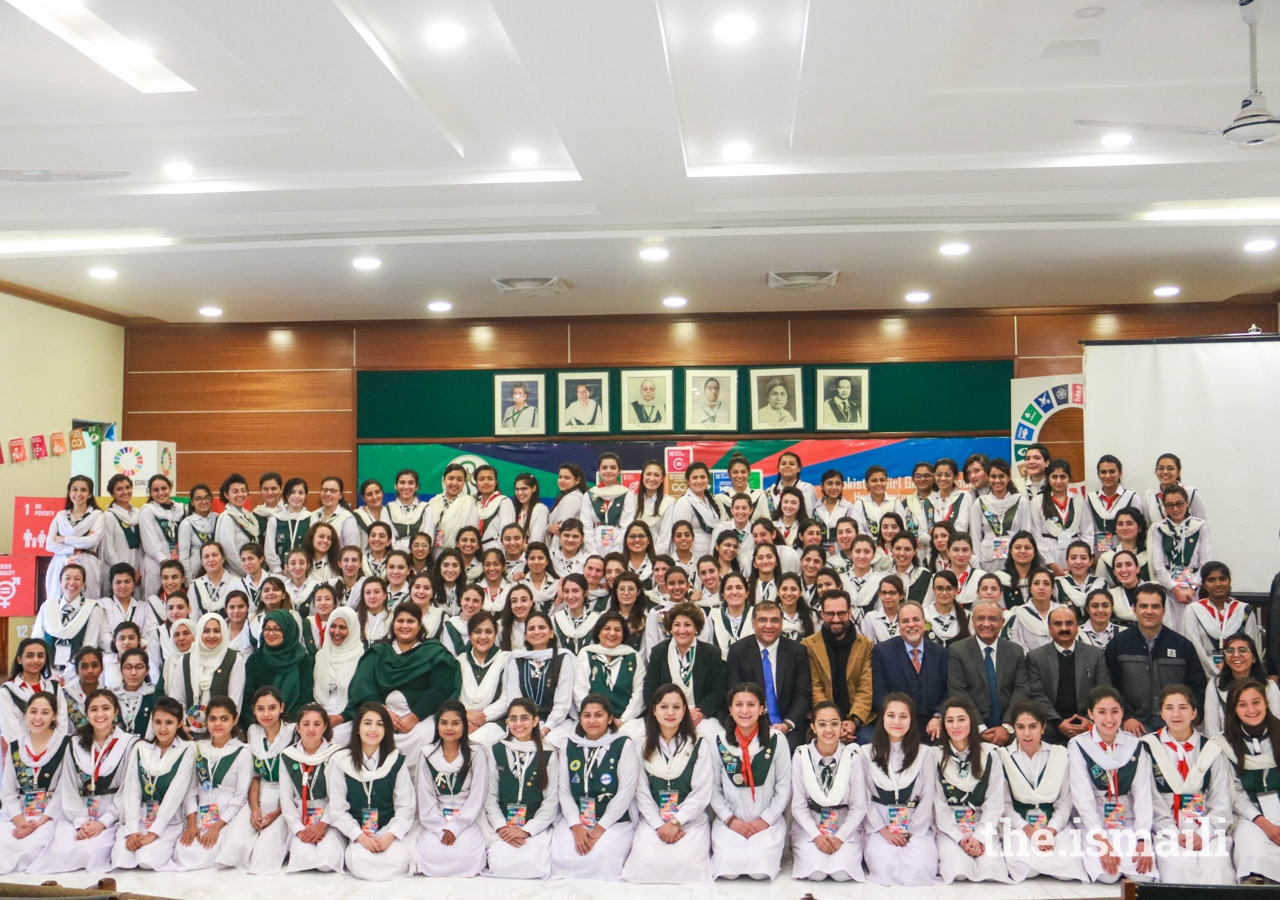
(280, 662)
(411, 675)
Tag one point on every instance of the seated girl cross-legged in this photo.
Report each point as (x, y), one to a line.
(453, 782)
(828, 804)
(522, 799)
(314, 844)
(157, 781)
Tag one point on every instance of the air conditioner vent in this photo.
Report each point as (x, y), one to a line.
(532, 287)
(802, 281)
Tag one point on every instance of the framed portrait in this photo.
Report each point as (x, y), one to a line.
(711, 399)
(842, 399)
(776, 404)
(584, 402)
(517, 404)
(646, 400)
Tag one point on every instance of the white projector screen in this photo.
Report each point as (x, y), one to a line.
(1214, 403)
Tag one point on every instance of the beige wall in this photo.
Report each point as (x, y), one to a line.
(54, 366)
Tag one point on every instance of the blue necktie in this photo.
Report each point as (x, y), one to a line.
(770, 695)
(994, 718)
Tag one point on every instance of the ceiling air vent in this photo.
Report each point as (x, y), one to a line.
(802, 281)
(531, 287)
(54, 175)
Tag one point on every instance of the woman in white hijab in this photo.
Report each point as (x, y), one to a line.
(336, 664)
(211, 668)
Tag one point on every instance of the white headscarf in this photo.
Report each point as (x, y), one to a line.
(205, 660)
(336, 663)
(172, 669)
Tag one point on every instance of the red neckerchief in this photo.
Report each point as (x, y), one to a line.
(744, 742)
(1184, 768)
(320, 626)
(1113, 775)
(35, 757)
(1109, 502)
(1228, 608)
(100, 758)
(1063, 507)
(964, 576)
(484, 504)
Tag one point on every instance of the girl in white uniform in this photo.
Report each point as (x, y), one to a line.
(544, 673)
(599, 777)
(30, 792)
(1040, 839)
(610, 507)
(495, 509)
(740, 483)
(522, 801)
(998, 516)
(1074, 587)
(370, 510)
(158, 526)
(314, 844)
(870, 508)
(258, 837)
(1111, 790)
(335, 666)
(482, 667)
(452, 632)
(969, 800)
(531, 512)
(1106, 504)
(672, 842)
(223, 772)
(237, 525)
(213, 581)
(450, 510)
(285, 530)
(828, 803)
(1241, 664)
(69, 620)
(901, 778)
(1180, 545)
(1059, 518)
(335, 513)
(407, 512)
(752, 791)
(211, 669)
(611, 667)
(653, 502)
(1190, 796)
(789, 469)
(695, 506)
(453, 782)
(75, 535)
(121, 535)
(882, 624)
(197, 528)
(1028, 625)
(1131, 534)
(1217, 616)
(372, 799)
(1169, 474)
(950, 505)
(1249, 743)
(91, 778)
(831, 507)
(737, 531)
(157, 778)
(731, 621)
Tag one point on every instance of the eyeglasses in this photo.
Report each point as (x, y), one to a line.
(1175, 505)
(1237, 651)
(134, 667)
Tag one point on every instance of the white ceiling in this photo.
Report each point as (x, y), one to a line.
(324, 130)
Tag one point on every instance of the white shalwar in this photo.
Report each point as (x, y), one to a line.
(658, 800)
(91, 782)
(220, 790)
(532, 859)
(446, 802)
(1198, 803)
(76, 541)
(1254, 793)
(398, 859)
(30, 788)
(759, 856)
(154, 774)
(304, 799)
(901, 799)
(609, 854)
(828, 797)
(261, 852)
(1111, 791)
(965, 806)
(1040, 795)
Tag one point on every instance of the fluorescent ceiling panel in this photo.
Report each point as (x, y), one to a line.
(123, 58)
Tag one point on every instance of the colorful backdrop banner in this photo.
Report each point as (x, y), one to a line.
(543, 459)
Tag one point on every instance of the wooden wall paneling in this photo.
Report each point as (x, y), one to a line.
(1063, 432)
(639, 343)
(211, 468)
(308, 389)
(1031, 367)
(502, 344)
(850, 339)
(253, 431)
(199, 348)
(1060, 334)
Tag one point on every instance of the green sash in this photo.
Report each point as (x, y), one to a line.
(318, 789)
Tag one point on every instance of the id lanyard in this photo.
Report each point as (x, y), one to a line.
(306, 785)
(592, 762)
(520, 762)
(99, 757)
(1113, 776)
(368, 788)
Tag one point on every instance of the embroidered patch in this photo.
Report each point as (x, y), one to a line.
(606, 779)
(575, 765)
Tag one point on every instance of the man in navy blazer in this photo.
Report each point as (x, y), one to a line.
(893, 669)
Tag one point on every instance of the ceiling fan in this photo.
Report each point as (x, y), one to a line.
(1253, 125)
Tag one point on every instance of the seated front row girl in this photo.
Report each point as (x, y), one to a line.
(828, 803)
(453, 783)
(522, 800)
(902, 776)
(969, 800)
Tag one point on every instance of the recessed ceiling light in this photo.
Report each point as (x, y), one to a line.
(524, 156)
(445, 35)
(735, 151)
(439, 306)
(211, 312)
(654, 254)
(103, 273)
(366, 262)
(1260, 246)
(1089, 12)
(178, 169)
(1119, 139)
(956, 249)
(1168, 290)
(736, 28)
(917, 297)
(674, 302)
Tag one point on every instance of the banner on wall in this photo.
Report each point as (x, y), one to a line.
(851, 457)
(138, 460)
(18, 583)
(1033, 401)
(32, 517)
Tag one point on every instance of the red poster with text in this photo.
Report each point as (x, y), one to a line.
(31, 519)
(39, 449)
(18, 586)
(18, 450)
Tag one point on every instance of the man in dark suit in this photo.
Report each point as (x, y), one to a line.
(913, 666)
(780, 666)
(990, 671)
(1061, 674)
